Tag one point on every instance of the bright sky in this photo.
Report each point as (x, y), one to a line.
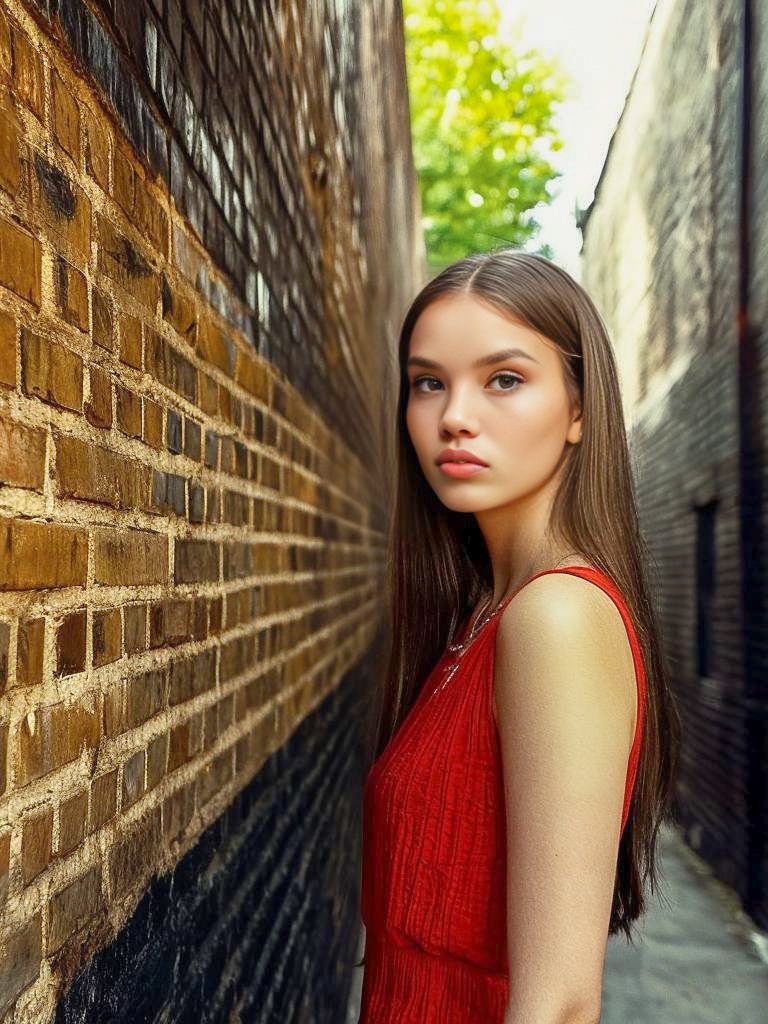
(598, 45)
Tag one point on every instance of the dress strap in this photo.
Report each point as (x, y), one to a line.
(578, 570)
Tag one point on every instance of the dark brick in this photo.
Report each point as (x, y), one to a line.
(107, 636)
(128, 411)
(29, 652)
(133, 778)
(71, 293)
(73, 815)
(211, 449)
(196, 561)
(171, 623)
(157, 756)
(173, 427)
(196, 503)
(20, 963)
(135, 626)
(36, 844)
(70, 644)
(73, 907)
(192, 438)
(134, 856)
(103, 800)
(98, 409)
(101, 313)
(153, 424)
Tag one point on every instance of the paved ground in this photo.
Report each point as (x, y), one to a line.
(695, 959)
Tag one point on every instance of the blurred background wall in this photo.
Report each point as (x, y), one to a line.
(675, 253)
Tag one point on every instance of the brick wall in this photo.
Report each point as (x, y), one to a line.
(664, 255)
(208, 233)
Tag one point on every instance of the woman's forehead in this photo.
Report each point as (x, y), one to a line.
(464, 329)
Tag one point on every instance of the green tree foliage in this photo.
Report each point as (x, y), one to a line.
(482, 115)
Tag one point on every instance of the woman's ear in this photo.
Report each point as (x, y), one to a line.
(574, 430)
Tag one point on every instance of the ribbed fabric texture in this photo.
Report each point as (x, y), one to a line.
(434, 868)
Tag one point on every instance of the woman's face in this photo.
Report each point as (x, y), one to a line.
(512, 412)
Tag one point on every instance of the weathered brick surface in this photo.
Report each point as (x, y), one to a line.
(92, 473)
(30, 652)
(130, 557)
(61, 203)
(107, 636)
(51, 371)
(70, 644)
(101, 320)
(20, 261)
(36, 843)
(21, 963)
(41, 555)
(5, 642)
(189, 329)
(98, 409)
(7, 350)
(73, 907)
(22, 455)
(71, 293)
(52, 736)
(73, 813)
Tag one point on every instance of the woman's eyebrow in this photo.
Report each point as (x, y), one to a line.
(495, 357)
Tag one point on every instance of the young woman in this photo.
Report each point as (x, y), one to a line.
(526, 741)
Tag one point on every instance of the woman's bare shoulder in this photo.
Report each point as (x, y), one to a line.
(557, 621)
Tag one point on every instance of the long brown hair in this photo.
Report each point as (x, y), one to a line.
(438, 564)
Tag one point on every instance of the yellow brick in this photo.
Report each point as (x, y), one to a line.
(66, 119)
(7, 350)
(12, 149)
(71, 293)
(28, 66)
(96, 148)
(62, 203)
(6, 65)
(130, 340)
(51, 372)
(20, 261)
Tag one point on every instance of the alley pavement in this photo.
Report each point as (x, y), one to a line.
(696, 958)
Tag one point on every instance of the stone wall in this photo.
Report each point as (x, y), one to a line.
(208, 233)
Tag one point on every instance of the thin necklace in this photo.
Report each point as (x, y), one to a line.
(481, 620)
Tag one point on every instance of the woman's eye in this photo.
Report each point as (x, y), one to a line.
(420, 380)
(514, 377)
(510, 376)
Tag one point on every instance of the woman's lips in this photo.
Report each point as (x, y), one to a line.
(459, 470)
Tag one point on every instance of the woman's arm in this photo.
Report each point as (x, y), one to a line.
(565, 704)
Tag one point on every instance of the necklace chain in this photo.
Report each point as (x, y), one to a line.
(480, 621)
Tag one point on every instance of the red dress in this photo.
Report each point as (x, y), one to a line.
(433, 859)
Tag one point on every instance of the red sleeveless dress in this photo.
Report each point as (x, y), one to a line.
(433, 858)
